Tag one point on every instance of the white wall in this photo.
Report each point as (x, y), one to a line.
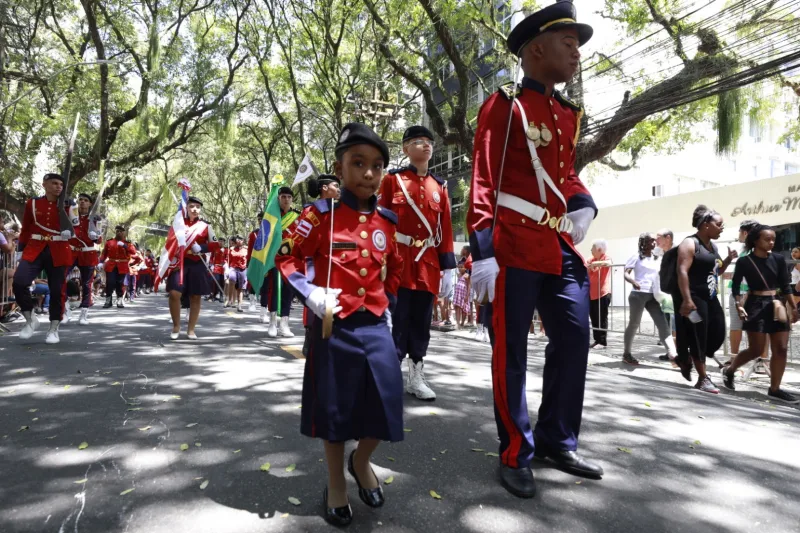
(773, 201)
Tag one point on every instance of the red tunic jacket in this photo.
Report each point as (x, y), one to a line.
(519, 241)
(429, 194)
(83, 248)
(117, 256)
(365, 263)
(41, 219)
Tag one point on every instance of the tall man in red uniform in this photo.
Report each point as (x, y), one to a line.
(524, 222)
(45, 247)
(116, 255)
(84, 251)
(425, 239)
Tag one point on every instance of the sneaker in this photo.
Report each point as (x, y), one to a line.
(685, 366)
(84, 318)
(448, 323)
(30, 327)
(727, 379)
(783, 396)
(417, 385)
(108, 303)
(664, 357)
(251, 307)
(120, 304)
(707, 385)
(629, 359)
(285, 331)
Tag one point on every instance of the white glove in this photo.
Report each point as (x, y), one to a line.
(484, 276)
(388, 315)
(195, 248)
(317, 301)
(100, 266)
(581, 220)
(121, 243)
(93, 236)
(66, 234)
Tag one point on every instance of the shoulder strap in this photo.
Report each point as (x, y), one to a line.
(759, 272)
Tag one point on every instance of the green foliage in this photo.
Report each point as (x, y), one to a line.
(729, 121)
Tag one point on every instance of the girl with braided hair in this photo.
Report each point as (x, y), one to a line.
(641, 271)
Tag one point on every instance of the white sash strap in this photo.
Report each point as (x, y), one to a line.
(427, 242)
(541, 174)
(33, 207)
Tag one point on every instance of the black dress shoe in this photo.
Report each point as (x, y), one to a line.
(518, 481)
(336, 516)
(571, 463)
(372, 497)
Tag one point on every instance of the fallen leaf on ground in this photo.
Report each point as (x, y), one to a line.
(492, 454)
(473, 440)
(236, 451)
(135, 409)
(626, 450)
(434, 413)
(407, 430)
(51, 438)
(701, 416)
(443, 452)
(32, 410)
(116, 383)
(107, 373)
(578, 482)
(24, 428)
(47, 383)
(647, 404)
(697, 442)
(277, 437)
(478, 450)
(193, 424)
(80, 481)
(128, 491)
(435, 495)
(294, 501)
(10, 391)
(265, 467)
(391, 459)
(66, 387)
(176, 397)
(184, 447)
(91, 387)
(389, 480)
(145, 428)
(285, 515)
(83, 445)
(198, 444)
(203, 485)
(291, 467)
(635, 419)
(34, 419)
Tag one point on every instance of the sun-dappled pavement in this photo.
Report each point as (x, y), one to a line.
(675, 459)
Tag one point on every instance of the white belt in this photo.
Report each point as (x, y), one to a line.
(84, 249)
(538, 214)
(56, 238)
(411, 242)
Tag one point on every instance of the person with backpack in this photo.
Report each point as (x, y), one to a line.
(700, 322)
(765, 311)
(641, 271)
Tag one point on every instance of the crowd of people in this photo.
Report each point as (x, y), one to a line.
(372, 260)
(688, 315)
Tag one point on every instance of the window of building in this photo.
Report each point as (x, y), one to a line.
(791, 169)
(755, 171)
(658, 191)
(475, 96)
(445, 70)
(504, 16)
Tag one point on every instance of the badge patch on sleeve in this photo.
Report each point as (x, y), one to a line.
(310, 216)
(379, 240)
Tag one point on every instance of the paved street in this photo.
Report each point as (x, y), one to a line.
(675, 459)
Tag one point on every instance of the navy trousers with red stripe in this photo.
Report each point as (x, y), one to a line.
(87, 280)
(563, 304)
(27, 271)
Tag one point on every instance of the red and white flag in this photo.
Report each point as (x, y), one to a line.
(172, 256)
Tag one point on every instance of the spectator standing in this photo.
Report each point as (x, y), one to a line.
(768, 282)
(599, 292)
(461, 296)
(735, 325)
(641, 271)
(701, 325)
(796, 274)
(664, 243)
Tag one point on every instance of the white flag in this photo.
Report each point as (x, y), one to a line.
(306, 169)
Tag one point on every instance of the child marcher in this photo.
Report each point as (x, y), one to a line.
(353, 385)
(461, 296)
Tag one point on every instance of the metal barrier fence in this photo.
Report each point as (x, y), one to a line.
(8, 265)
(617, 279)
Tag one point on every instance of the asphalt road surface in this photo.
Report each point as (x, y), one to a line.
(675, 459)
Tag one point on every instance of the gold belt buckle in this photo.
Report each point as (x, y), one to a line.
(47, 237)
(546, 219)
(418, 244)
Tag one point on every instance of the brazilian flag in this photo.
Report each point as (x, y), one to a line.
(267, 243)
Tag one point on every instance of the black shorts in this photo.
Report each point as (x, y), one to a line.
(760, 316)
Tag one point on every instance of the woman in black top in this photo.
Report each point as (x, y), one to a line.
(766, 274)
(700, 324)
